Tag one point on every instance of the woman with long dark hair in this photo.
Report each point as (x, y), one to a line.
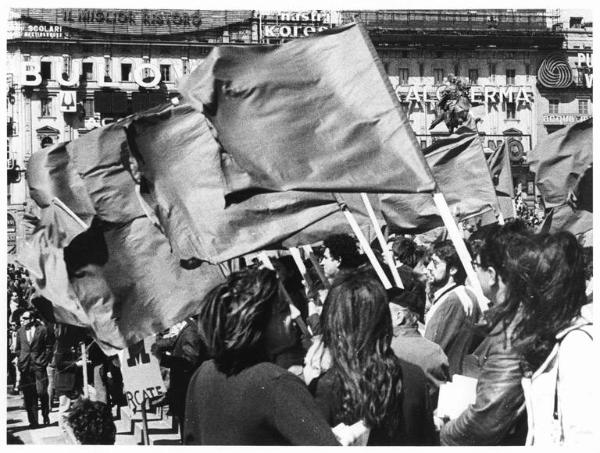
(239, 397)
(365, 381)
(503, 265)
(557, 344)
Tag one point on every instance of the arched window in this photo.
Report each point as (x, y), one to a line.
(46, 142)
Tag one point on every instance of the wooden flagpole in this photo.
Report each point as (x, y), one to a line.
(386, 252)
(365, 245)
(459, 245)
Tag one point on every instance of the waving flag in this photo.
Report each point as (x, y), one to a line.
(315, 114)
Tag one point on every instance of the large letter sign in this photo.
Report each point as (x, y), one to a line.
(141, 374)
(138, 75)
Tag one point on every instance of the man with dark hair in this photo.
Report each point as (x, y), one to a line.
(92, 423)
(34, 349)
(454, 310)
(340, 256)
(408, 255)
(409, 345)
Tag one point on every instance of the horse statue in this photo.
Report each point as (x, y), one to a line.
(454, 106)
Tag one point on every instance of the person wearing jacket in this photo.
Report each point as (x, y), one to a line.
(557, 343)
(34, 349)
(498, 415)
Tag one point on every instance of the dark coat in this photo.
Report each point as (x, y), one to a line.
(416, 422)
(34, 356)
(261, 405)
(498, 416)
(68, 377)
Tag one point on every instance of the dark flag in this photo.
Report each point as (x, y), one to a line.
(180, 166)
(499, 163)
(114, 273)
(462, 175)
(314, 114)
(563, 169)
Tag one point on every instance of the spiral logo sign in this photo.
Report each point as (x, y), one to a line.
(555, 72)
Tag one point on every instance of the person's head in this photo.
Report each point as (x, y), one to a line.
(357, 330)
(92, 423)
(445, 266)
(341, 252)
(27, 318)
(555, 294)
(501, 258)
(407, 251)
(405, 307)
(243, 320)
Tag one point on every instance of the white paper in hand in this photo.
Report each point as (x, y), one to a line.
(456, 396)
(354, 435)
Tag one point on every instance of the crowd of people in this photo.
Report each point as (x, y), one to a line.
(331, 357)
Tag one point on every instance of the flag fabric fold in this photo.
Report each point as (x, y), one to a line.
(560, 159)
(461, 172)
(499, 163)
(315, 114)
(180, 164)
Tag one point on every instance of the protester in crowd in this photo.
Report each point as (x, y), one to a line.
(557, 344)
(454, 310)
(68, 365)
(34, 351)
(340, 257)
(497, 417)
(408, 256)
(239, 397)
(409, 345)
(182, 354)
(362, 379)
(92, 423)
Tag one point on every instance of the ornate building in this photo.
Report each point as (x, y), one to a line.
(71, 70)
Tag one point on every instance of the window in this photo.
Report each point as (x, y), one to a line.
(438, 76)
(88, 106)
(528, 70)
(46, 70)
(423, 144)
(46, 106)
(403, 76)
(421, 70)
(386, 67)
(456, 70)
(492, 71)
(126, 72)
(510, 76)
(186, 66)
(582, 106)
(511, 110)
(473, 76)
(87, 68)
(553, 106)
(165, 72)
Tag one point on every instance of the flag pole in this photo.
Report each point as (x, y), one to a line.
(84, 369)
(294, 312)
(315, 262)
(384, 249)
(459, 245)
(365, 245)
(57, 201)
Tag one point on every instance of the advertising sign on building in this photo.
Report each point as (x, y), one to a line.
(142, 380)
(11, 235)
(563, 118)
(488, 94)
(67, 101)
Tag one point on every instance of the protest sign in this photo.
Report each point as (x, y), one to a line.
(141, 374)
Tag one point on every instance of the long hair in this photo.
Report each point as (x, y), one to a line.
(234, 317)
(511, 251)
(555, 295)
(357, 330)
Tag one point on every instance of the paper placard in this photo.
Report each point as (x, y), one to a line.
(141, 374)
(456, 396)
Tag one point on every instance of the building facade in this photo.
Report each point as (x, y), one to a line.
(72, 70)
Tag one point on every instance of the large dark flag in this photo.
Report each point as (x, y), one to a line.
(179, 165)
(563, 167)
(314, 114)
(462, 175)
(95, 255)
(499, 163)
